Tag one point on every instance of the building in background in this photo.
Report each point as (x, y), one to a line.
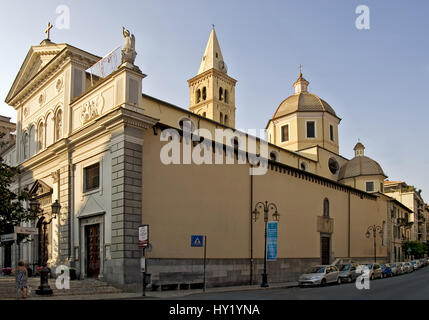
(410, 197)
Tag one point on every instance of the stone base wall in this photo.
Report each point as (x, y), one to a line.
(224, 272)
(219, 272)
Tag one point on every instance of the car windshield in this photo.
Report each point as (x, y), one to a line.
(316, 270)
(346, 267)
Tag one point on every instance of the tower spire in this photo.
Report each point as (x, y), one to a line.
(212, 58)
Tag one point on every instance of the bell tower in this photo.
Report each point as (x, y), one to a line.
(212, 91)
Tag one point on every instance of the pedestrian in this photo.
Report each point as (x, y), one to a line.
(21, 279)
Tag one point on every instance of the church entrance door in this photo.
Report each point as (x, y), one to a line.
(326, 250)
(92, 233)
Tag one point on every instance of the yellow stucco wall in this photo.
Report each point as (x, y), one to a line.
(181, 200)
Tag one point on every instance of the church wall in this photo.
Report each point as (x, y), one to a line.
(214, 200)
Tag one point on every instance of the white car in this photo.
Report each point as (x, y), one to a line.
(319, 276)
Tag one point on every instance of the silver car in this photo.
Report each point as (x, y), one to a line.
(319, 276)
(394, 267)
(375, 271)
(408, 267)
(348, 273)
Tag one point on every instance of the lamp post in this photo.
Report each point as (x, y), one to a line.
(44, 288)
(374, 230)
(266, 207)
(409, 253)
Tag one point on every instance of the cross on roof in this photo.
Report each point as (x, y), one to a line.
(48, 30)
(300, 70)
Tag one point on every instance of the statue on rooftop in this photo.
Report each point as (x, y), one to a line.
(128, 53)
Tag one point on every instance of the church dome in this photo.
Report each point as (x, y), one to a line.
(303, 101)
(360, 165)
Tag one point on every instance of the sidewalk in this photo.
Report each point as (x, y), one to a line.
(170, 294)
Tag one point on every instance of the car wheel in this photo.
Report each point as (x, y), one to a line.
(372, 277)
(323, 282)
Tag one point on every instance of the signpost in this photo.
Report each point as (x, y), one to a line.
(199, 241)
(8, 237)
(26, 230)
(143, 236)
(144, 243)
(272, 231)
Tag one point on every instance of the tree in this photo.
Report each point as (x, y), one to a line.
(417, 249)
(12, 212)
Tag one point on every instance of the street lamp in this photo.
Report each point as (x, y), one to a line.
(374, 230)
(44, 288)
(267, 207)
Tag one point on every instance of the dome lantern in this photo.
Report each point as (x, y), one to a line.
(359, 150)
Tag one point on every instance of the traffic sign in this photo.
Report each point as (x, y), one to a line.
(26, 230)
(8, 237)
(143, 236)
(197, 241)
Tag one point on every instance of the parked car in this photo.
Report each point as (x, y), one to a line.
(375, 271)
(319, 275)
(415, 264)
(348, 273)
(424, 262)
(402, 268)
(386, 271)
(395, 268)
(408, 267)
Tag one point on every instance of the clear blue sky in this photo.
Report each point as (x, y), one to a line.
(376, 80)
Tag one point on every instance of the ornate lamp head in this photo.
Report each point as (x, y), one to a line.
(56, 207)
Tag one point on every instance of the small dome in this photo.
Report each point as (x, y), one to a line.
(360, 166)
(303, 102)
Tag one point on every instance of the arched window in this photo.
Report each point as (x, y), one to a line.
(225, 96)
(226, 120)
(274, 156)
(326, 208)
(59, 125)
(204, 93)
(198, 96)
(186, 124)
(221, 118)
(220, 94)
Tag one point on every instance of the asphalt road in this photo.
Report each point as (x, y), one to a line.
(412, 286)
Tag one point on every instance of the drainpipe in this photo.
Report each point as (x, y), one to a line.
(251, 228)
(349, 206)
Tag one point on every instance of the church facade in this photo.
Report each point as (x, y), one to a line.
(96, 145)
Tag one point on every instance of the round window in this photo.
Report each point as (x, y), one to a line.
(333, 165)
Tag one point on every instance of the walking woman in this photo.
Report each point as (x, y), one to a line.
(21, 279)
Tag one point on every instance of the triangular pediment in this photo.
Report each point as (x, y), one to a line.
(37, 57)
(40, 189)
(90, 207)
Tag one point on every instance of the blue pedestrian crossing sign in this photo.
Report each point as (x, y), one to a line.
(197, 241)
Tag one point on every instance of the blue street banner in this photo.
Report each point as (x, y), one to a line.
(272, 231)
(197, 241)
